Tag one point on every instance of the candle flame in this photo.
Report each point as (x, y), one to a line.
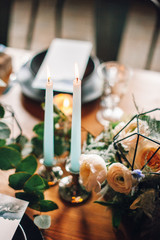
(66, 103)
(48, 74)
(76, 71)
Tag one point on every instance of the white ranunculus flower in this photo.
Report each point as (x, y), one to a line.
(92, 171)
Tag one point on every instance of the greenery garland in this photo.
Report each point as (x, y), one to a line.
(20, 154)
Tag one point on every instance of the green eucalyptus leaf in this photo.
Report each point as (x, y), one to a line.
(2, 111)
(15, 146)
(116, 217)
(35, 183)
(9, 158)
(106, 204)
(59, 113)
(89, 138)
(18, 180)
(42, 221)
(39, 130)
(60, 145)
(114, 124)
(28, 165)
(30, 197)
(4, 131)
(44, 206)
(21, 140)
(2, 142)
(27, 150)
(69, 133)
(37, 146)
(56, 119)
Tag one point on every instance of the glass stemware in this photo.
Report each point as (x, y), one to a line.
(115, 77)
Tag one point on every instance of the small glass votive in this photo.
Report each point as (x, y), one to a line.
(64, 103)
(11, 125)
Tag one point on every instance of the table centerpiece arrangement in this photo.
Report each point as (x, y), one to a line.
(123, 165)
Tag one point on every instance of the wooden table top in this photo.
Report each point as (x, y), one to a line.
(88, 221)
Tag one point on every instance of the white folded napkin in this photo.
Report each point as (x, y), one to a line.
(11, 213)
(60, 59)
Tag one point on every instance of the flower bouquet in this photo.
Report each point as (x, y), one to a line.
(123, 165)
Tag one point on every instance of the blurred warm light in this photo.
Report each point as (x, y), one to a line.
(64, 103)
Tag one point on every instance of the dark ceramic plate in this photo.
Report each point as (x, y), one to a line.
(91, 85)
(27, 230)
(38, 59)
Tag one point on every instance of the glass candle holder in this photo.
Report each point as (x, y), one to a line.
(52, 174)
(70, 188)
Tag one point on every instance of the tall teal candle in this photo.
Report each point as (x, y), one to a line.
(48, 125)
(76, 126)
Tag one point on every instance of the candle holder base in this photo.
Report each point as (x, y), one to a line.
(71, 190)
(52, 174)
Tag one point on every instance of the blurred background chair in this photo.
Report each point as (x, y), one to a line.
(110, 19)
(155, 35)
(5, 13)
(33, 15)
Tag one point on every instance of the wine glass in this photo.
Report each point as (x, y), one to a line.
(115, 77)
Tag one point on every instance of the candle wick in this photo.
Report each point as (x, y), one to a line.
(76, 79)
(49, 80)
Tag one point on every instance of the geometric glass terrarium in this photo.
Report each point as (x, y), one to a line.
(138, 142)
(10, 128)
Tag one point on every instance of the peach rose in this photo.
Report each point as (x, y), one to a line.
(119, 178)
(145, 150)
(92, 171)
(130, 129)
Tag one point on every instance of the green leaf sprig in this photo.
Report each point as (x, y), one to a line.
(25, 179)
(62, 135)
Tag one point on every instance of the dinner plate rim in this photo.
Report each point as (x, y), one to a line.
(38, 94)
(25, 231)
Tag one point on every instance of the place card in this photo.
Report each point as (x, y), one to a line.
(11, 213)
(60, 59)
